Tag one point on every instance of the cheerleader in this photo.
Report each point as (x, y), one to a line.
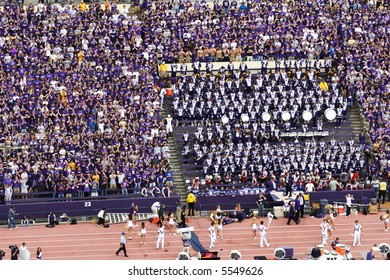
(254, 228)
(143, 233)
(171, 223)
(330, 220)
(385, 219)
(129, 226)
(328, 229)
(218, 218)
(39, 253)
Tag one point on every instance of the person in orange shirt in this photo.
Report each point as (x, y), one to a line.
(64, 98)
(107, 5)
(72, 165)
(80, 56)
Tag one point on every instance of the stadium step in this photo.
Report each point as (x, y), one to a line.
(175, 159)
(117, 218)
(357, 121)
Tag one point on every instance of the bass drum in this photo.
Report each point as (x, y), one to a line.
(244, 118)
(330, 114)
(307, 115)
(266, 116)
(286, 116)
(224, 119)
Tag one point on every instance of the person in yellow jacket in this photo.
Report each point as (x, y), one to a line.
(382, 191)
(191, 200)
(82, 6)
(163, 70)
(324, 85)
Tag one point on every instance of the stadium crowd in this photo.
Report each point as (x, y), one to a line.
(79, 102)
(80, 88)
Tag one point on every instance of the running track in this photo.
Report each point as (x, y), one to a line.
(87, 241)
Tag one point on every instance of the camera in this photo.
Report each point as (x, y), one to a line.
(2, 254)
(13, 247)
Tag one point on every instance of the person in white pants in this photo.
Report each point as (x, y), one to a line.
(160, 237)
(212, 234)
(263, 234)
(357, 234)
(324, 232)
(168, 125)
(270, 218)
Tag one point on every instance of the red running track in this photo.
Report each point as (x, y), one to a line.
(87, 241)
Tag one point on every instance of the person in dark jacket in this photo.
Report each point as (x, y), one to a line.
(292, 213)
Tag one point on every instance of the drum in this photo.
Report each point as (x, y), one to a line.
(224, 119)
(169, 91)
(340, 249)
(330, 255)
(244, 118)
(333, 254)
(286, 116)
(265, 116)
(307, 115)
(321, 247)
(330, 114)
(326, 253)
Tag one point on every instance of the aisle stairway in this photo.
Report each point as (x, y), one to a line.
(359, 123)
(175, 161)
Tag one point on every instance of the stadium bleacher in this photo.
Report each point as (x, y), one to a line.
(80, 92)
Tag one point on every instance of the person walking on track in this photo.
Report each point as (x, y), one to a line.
(122, 245)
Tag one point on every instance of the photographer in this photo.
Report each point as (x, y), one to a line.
(101, 217)
(52, 219)
(14, 252)
(2, 254)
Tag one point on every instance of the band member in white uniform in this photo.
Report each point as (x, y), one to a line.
(324, 231)
(160, 237)
(263, 235)
(357, 234)
(168, 125)
(212, 235)
(270, 218)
